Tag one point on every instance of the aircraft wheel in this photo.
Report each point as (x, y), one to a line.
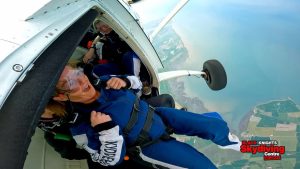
(215, 77)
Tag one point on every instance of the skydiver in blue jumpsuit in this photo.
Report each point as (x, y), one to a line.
(106, 113)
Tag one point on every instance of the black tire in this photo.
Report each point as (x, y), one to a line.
(216, 77)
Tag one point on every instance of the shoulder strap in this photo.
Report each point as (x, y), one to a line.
(144, 134)
(133, 117)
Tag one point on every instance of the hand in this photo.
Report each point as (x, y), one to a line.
(88, 56)
(115, 83)
(85, 59)
(97, 39)
(99, 118)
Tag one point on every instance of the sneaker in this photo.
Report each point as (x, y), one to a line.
(236, 146)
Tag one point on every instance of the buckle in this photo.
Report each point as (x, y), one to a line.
(136, 107)
(97, 82)
(73, 118)
(136, 104)
(151, 107)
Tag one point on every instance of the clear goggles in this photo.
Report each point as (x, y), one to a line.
(72, 81)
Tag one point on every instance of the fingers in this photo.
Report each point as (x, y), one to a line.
(93, 114)
(115, 83)
(85, 59)
(111, 83)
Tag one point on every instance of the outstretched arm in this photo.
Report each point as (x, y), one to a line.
(91, 52)
(89, 55)
(118, 82)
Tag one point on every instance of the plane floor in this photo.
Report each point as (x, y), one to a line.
(42, 156)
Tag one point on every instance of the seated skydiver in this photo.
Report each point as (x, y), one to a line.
(115, 119)
(112, 53)
(114, 56)
(58, 117)
(55, 121)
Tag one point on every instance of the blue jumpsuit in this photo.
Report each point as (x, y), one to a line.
(130, 65)
(170, 153)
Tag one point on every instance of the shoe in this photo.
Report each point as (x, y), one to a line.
(183, 109)
(146, 89)
(236, 146)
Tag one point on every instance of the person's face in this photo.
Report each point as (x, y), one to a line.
(103, 28)
(74, 85)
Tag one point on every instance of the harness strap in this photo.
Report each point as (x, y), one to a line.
(133, 117)
(144, 134)
(143, 139)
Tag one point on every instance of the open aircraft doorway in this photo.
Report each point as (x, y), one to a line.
(53, 32)
(195, 39)
(257, 44)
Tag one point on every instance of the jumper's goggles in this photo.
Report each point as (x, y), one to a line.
(72, 81)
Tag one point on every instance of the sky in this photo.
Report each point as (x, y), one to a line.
(258, 43)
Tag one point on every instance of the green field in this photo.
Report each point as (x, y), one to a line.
(273, 120)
